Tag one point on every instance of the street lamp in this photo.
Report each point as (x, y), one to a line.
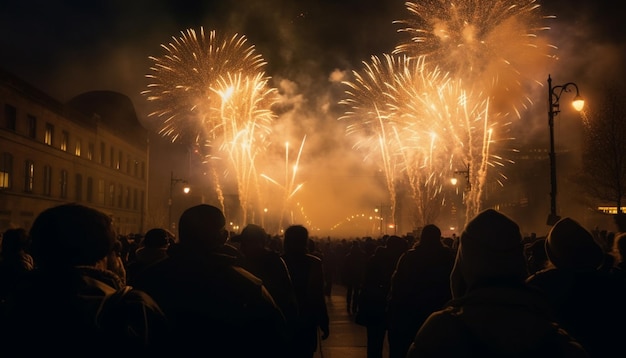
(466, 174)
(554, 94)
(186, 189)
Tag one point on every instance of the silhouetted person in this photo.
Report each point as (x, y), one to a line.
(152, 250)
(353, 275)
(587, 301)
(15, 261)
(493, 313)
(267, 265)
(420, 286)
(307, 277)
(376, 285)
(216, 308)
(70, 305)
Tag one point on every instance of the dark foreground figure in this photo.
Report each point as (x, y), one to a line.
(216, 309)
(70, 305)
(307, 276)
(493, 312)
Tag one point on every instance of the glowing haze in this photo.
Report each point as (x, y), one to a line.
(439, 105)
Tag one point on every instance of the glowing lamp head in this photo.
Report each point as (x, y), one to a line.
(578, 103)
(186, 189)
(453, 181)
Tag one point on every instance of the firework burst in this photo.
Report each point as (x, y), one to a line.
(186, 79)
(496, 45)
(421, 124)
(210, 91)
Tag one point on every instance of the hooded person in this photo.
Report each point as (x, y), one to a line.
(493, 313)
(570, 246)
(490, 250)
(586, 300)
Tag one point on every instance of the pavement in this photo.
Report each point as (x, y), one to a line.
(347, 339)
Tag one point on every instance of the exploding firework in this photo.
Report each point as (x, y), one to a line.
(421, 124)
(496, 45)
(186, 82)
(210, 91)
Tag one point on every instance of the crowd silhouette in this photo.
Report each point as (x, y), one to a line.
(70, 286)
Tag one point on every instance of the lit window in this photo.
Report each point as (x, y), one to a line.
(6, 170)
(29, 176)
(65, 138)
(49, 134)
(77, 149)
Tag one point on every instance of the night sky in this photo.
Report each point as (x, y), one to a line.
(69, 47)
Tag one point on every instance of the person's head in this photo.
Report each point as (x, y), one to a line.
(14, 241)
(203, 227)
(572, 247)
(252, 236)
(396, 244)
(157, 238)
(431, 235)
(490, 251)
(71, 235)
(296, 240)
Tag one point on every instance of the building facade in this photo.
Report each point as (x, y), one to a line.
(91, 150)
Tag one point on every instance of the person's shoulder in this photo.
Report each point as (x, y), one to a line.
(246, 276)
(312, 258)
(545, 275)
(434, 337)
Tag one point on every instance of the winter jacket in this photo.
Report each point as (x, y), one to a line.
(79, 311)
(216, 309)
(494, 321)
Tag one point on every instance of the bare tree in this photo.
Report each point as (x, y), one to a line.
(603, 175)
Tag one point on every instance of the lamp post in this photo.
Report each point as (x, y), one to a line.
(554, 94)
(379, 211)
(186, 189)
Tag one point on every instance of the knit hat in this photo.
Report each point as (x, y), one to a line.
(490, 250)
(571, 246)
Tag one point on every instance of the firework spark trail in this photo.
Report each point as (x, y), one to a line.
(246, 125)
(211, 91)
(370, 117)
(289, 188)
(494, 44)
